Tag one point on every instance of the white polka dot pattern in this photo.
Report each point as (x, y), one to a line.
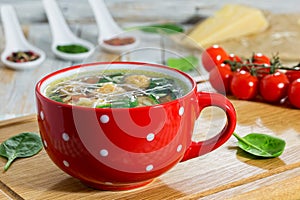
(65, 137)
(179, 147)
(66, 163)
(104, 119)
(104, 152)
(181, 111)
(103, 148)
(42, 116)
(45, 143)
(149, 168)
(150, 137)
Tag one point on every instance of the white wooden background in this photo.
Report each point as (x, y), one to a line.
(17, 87)
(143, 10)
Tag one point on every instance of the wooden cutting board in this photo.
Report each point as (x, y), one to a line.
(226, 173)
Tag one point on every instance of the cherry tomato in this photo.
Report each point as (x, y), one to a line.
(213, 56)
(262, 72)
(261, 63)
(259, 58)
(294, 93)
(220, 78)
(244, 86)
(235, 62)
(233, 57)
(293, 74)
(274, 87)
(243, 68)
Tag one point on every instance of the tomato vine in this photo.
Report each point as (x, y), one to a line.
(258, 77)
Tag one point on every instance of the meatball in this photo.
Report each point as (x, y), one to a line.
(140, 81)
(110, 88)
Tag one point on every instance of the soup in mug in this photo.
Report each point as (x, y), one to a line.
(116, 89)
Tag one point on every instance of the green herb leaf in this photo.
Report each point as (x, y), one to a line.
(133, 102)
(168, 28)
(261, 145)
(72, 48)
(184, 64)
(56, 98)
(125, 103)
(115, 78)
(106, 105)
(105, 80)
(154, 82)
(153, 98)
(20, 146)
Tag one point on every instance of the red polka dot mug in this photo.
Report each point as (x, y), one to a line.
(125, 148)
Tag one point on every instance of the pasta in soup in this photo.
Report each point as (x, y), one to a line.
(125, 89)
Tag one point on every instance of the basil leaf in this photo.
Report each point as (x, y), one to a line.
(168, 28)
(184, 64)
(20, 146)
(261, 145)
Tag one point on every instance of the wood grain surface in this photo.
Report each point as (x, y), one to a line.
(226, 173)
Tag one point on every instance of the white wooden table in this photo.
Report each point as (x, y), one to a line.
(17, 87)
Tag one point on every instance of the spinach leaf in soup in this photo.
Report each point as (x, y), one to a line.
(114, 78)
(56, 98)
(124, 102)
(20, 146)
(161, 87)
(154, 82)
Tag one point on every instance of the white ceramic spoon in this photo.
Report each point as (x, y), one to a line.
(62, 35)
(109, 29)
(16, 41)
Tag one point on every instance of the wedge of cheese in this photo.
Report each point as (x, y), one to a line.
(229, 22)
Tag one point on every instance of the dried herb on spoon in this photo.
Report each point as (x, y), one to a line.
(22, 56)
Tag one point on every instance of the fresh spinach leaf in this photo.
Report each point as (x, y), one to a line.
(261, 145)
(20, 146)
(184, 64)
(168, 28)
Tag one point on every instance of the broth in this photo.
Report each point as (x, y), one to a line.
(116, 89)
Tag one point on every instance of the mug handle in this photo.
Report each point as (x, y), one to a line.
(206, 99)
